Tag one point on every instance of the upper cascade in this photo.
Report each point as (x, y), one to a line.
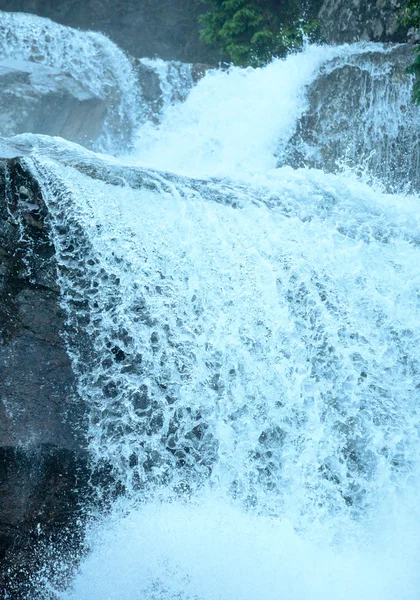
(333, 108)
(90, 58)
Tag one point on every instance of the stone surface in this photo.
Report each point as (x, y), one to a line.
(44, 464)
(36, 98)
(165, 83)
(343, 127)
(376, 20)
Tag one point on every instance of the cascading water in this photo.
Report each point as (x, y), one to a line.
(247, 339)
(90, 57)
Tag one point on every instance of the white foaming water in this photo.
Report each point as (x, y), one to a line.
(270, 357)
(90, 57)
(232, 120)
(239, 120)
(252, 368)
(214, 551)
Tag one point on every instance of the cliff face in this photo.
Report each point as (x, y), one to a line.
(169, 29)
(44, 465)
(376, 20)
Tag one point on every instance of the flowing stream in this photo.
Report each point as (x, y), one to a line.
(248, 341)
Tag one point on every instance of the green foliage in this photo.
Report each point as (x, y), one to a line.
(410, 13)
(410, 16)
(253, 32)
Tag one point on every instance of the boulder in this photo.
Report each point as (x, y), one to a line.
(37, 98)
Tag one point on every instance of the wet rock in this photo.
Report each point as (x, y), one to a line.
(164, 84)
(36, 98)
(343, 127)
(44, 464)
(44, 490)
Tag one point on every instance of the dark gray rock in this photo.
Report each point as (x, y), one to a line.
(36, 98)
(44, 464)
(348, 121)
(375, 20)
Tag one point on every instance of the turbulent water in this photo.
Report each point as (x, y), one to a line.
(247, 339)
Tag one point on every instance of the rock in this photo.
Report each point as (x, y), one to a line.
(37, 98)
(44, 464)
(375, 20)
(165, 83)
(344, 127)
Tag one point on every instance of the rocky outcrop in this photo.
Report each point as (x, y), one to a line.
(347, 123)
(44, 464)
(37, 98)
(375, 20)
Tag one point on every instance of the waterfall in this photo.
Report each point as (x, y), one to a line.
(246, 338)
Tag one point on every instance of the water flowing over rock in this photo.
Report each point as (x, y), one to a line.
(168, 29)
(360, 116)
(165, 83)
(86, 70)
(236, 413)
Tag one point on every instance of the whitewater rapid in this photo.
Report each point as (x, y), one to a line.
(239, 121)
(252, 357)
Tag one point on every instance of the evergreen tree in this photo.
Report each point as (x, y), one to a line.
(253, 32)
